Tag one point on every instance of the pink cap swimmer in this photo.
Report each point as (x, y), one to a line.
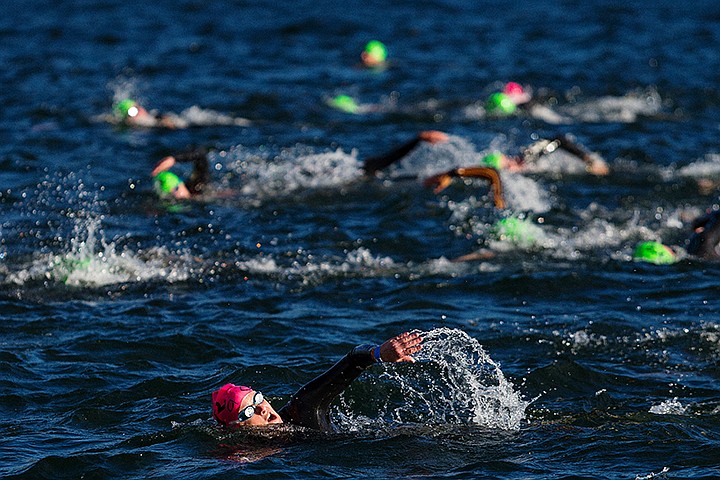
(513, 88)
(226, 402)
(516, 93)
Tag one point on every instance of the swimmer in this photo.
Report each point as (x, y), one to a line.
(704, 243)
(594, 163)
(168, 185)
(654, 252)
(507, 101)
(374, 55)
(239, 406)
(516, 99)
(131, 113)
(705, 239)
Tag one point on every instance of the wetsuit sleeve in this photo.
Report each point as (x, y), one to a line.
(309, 407)
(703, 243)
(200, 175)
(374, 164)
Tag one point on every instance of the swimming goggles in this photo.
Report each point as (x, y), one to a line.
(248, 412)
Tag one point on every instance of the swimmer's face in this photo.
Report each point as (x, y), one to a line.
(264, 413)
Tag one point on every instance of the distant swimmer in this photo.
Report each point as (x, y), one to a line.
(130, 113)
(593, 163)
(168, 185)
(654, 252)
(704, 243)
(237, 406)
(374, 55)
(507, 101)
(514, 99)
(705, 239)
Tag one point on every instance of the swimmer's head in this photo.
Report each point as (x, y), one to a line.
(236, 405)
(374, 54)
(654, 252)
(513, 88)
(166, 183)
(127, 108)
(344, 103)
(226, 402)
(515, 230)
(500, 104)
(493, 160)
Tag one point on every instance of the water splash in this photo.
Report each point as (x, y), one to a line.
(453, 382)
(203, 117)
(292, 169)
(623, 109)
(669, 407)
(92, 261)
(427, 160)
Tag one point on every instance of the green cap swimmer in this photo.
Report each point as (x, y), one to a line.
(374, 54)
(515, 230)
(493, 160)
(127, 108)
(165, 184)
(500, 104)
(654, 252)
(344, 103)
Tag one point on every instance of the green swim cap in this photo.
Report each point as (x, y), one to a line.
(126, 108)
(344, 103)
(500, 103)
(515, 230)
(166, 183)
(654, 252)
(493, 160)
(376, 50)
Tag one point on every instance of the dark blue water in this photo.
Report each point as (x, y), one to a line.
(556, 358)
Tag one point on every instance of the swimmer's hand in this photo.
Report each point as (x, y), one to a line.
(595, 164)
(440, 181)
(433, 136)
(163, 165)
(401, 348)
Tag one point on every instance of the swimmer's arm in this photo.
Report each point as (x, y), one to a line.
(443, 180)
(197, 155)
(309, 406)
(594, 163)
(163, 165)
(374, 164)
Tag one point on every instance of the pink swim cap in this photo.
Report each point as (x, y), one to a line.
(512, 88)
(226, 402)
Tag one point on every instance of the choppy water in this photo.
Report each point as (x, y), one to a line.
(559, 357)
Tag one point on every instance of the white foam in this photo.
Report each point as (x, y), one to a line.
(454, 381)
(292, 169)
(669, 407)
(91, 261)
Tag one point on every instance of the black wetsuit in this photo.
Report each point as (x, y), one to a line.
(200, 175)
(309, 407)
(374, 164)
(705, 241)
